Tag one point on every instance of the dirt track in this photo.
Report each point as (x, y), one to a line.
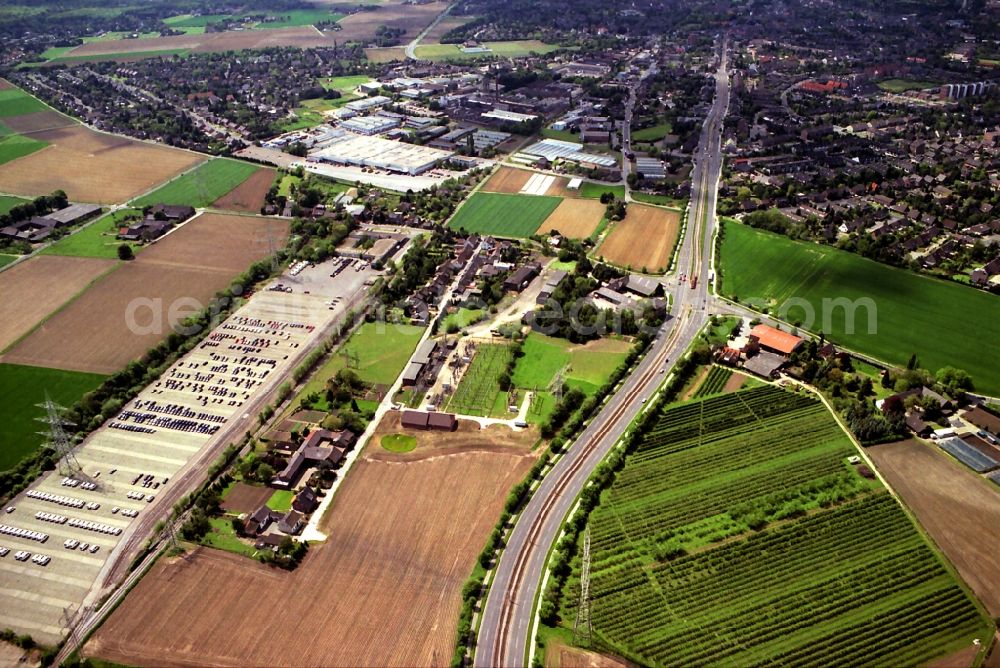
(182, 271)
(959, 511)
(644, 239)
(93, 167)
(383, 590)
(36, 287)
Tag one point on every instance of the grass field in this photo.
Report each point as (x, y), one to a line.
(281, 500)
(513, 49)
(202, 185)
(6, 259)
(653, 133)
(21, 388)
(595, 190)
(7, 203)
(299, 17)
(15, 102)
(222, 536)
(504, 215)
(662, 200)
(903, 85)
(398, 442)
(585, 368)
(562, 135)
(97, 239)
(737, 534)
(13, 147)
(188, 21)
(943, 323)
(462, 318)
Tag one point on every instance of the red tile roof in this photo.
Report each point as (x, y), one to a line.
(775, 339)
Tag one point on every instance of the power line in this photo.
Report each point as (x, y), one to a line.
(582, 627)
(57, 438)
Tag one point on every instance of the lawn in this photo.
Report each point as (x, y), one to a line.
(461, 319)
(7, 203)
(736, 533)
(223, 537)
(562, 135)
(281, 500)
(15, 102)
(202, 185)
(398, 442)
(585, 368)
(945, 324)
(21, 389)
(595, 190)
(345, 84)
(7, 259)
(286, 183)
(662, 200)
(96, 239)
(653, 133)
(504, 215)
(298, 17)
(512, 49)
(903, 85)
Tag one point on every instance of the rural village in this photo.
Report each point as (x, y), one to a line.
(490, 334)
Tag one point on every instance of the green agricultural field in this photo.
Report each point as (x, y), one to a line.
(903, 85)
(585, 368)
(561, 135)
(512, 49)
(478, 392)
(188, 21)
(592, 190)
(15, 102)
(716, 379)
(21, 388)
(737, 533)
(504, 215)
(943, 323)
(299, 17)
(201, 186)
(13, 147)
(7, 202)
(398, 442)
(653, 133)
(281, 500)
(96, 239)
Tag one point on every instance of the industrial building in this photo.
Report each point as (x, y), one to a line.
(370, 125)
(651, 168)
(507, 116)
(556, 149)
(393, 156)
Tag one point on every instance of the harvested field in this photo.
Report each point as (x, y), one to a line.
(383, 590)
(734, 383)
(244, 498)
(386, 54)
(5, 85)
(574, 218)
(411, 19)
(469, 437)
(180, 274)
(92, 166)
(644, 240)
(561, 655)
(507, 180)
(38, 121)
(302, 36)
(35, 288)
(953, 506)
(445, 25)
(249, 195)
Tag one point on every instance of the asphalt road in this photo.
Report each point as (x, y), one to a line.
(508, 615)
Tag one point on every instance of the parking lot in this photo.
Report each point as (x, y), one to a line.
(83, 519)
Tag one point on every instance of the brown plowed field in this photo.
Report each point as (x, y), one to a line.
(734, 383)
(386, 54)
(181, 272)
(644, 239)
(244, 498)
(4, 84)
(383, 590)
(35, 288)
(574, 218)
(507, 180)
(959, 509)
(93, 167)
(445, 25)
(38, 121)
(249, 195)
(303, 36)
(412, 19)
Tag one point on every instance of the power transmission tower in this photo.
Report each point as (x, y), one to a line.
(582, 628)
(58, 440)
(557, 388)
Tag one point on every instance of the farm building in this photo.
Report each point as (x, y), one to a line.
(552, 281)
(305, 501)
(427, 420)
(290, 523)
(521, 277)
(772, 339)
(322, 448)
(556, 149)
(420, 362)
(765, 364)
(74, 213)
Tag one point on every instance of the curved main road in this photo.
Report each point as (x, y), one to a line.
(505, 631)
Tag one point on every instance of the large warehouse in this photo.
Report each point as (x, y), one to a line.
(556, 149)
(381, 153)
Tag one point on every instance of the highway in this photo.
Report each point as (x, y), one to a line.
(508, 614)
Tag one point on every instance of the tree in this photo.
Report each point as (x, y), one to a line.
(125, 252)
(955, 381)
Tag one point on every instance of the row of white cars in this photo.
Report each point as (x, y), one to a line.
(24, 555)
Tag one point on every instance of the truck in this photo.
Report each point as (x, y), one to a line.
(694, 282)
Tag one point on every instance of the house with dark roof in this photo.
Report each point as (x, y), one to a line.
(290, 523)
(521, 277)
(427, 420)
(323, 448)
(305, 501)
(259, 520)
